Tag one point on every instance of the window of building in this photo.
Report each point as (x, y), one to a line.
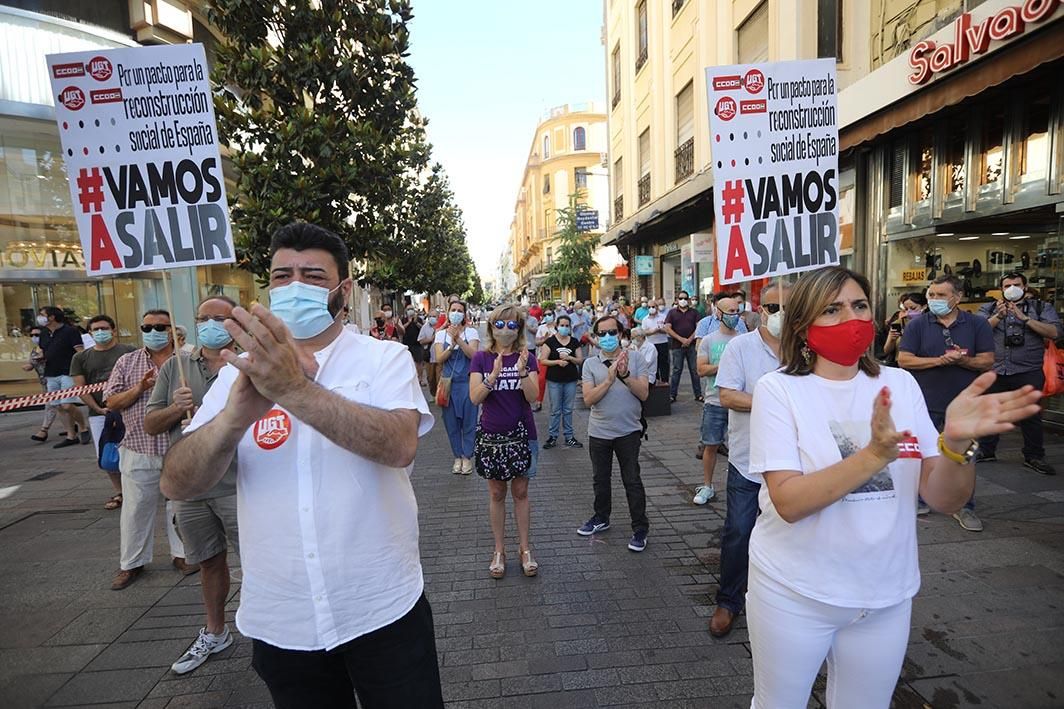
(644, 167)
(580, 177)
(677, 5)
(546, 184)
(829, 29)
(579, 138)
(953, 163)
(642, 37)
(550, 255)
(1034, 160)
(684, 155)
(546, 147)
(992, 145)
(752, 37)
(897, 174)
(618, 190)
(615, 72)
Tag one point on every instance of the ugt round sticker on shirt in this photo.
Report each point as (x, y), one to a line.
(272, 430)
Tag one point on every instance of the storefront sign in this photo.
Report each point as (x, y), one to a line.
(775, 138)
(702, 247)
(914, 275)
(141, 149)
(972, 39)
(644, 265)
(687, 271)
(37, 258)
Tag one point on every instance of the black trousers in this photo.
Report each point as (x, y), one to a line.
(1031, 427)
(394, 667)
(664, 362)
(626, 448)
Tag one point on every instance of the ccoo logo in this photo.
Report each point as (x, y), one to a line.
(754, 81)
(72, 97)
(725, 108)
(272, 430)
(99, 68)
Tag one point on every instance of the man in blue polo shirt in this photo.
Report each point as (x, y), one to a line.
(946, 349)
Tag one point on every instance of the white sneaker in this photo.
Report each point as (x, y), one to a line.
(467, 466)
(457, 467)
(703, 494)
(967, 519)
(205, 646)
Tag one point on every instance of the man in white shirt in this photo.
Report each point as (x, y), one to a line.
(747, 358)
(324, 425)
(654, 328)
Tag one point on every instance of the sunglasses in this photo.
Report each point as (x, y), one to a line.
(608, 332)
(508, 324)
(157, 328)
(949, 340)
(771, 308)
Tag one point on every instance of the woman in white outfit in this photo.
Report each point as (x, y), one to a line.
(843, 447)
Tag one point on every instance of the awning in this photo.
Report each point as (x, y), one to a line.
(1023, 57)
(647, 224)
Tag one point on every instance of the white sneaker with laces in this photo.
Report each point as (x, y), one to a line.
(205, 646)
(703, 494)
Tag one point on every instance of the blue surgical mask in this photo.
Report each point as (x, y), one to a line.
(212, 335)
(457, 317)
(939, 307)
(609, 343)
(156, 340)
(303, 308)
(102, 337)
(548, 318)
(564, 330)
(730, 320)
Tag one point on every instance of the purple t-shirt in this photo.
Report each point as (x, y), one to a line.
(506, 405)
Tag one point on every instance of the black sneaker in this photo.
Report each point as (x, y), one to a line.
(638, 542)
(573, 443)
(672, 399)
(985, 457)
(701, 450)
(593, 526)
(700, 399)
(1039, 466)
(550, 443)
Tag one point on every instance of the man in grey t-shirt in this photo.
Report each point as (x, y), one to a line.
(614, 386)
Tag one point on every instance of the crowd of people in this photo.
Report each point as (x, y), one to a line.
(288, 433)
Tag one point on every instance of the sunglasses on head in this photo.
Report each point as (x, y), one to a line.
(509, 324)
(157, 328)
(614, 331)
(771, 308)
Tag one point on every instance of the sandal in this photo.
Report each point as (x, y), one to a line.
(498, 565)
(38, 437)
(528, 564)
(114, 503)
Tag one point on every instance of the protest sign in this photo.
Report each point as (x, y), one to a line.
(141, 149)
(702, 247)
(775, 140)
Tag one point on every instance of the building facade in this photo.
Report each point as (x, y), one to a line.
(40, 253)
(567, 157)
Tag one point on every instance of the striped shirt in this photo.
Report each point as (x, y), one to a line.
(129, 370)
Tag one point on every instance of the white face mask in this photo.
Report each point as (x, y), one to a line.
(682, 302)
(1013, 293)
(652, 310)
(775, 323)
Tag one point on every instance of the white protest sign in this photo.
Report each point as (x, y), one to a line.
(702, 247)
(141, 149)
(775, 137)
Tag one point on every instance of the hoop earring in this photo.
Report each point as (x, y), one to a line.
(807, 354)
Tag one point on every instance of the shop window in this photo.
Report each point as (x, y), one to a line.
(897, 175)
(924, 168)
(1035, 146)
(953, 163)
(992, 146)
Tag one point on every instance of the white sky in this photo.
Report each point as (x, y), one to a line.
(486, 72)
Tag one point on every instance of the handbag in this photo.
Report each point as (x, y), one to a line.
(502, 456)
(114, 430)
(1053, 369)
(443, 392)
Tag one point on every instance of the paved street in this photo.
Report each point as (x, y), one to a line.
(600, 626)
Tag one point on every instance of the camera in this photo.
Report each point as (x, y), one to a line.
(1014, 340)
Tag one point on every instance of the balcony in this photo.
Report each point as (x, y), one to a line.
(684, 157)
(644, 189)
(618, 209)
(641, 59)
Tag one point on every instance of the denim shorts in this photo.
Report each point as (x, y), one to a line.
(59, 383)
(714, 424)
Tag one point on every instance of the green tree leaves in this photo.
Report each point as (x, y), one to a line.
(574, 262)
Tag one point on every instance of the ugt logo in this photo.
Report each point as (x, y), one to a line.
(272, 430)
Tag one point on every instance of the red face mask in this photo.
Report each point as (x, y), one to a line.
(843, 343)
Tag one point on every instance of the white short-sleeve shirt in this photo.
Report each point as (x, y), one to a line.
(328, 539)
(444, 338)
(746, 359)
(860, 551)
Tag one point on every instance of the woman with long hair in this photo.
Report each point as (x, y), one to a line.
(843, 447)
(455, 346)
(504, 379)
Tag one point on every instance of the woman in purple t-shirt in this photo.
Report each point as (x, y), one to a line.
(504, 379)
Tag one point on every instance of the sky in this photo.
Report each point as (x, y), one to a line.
(486, 72)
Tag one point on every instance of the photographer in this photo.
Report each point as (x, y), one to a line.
(1021, 324)
(909, 306)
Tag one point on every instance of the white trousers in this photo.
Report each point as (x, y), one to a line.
(790, 635)
(140, 500)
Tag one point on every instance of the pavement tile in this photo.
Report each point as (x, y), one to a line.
(106, 687)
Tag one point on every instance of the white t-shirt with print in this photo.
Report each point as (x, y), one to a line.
(860, 551)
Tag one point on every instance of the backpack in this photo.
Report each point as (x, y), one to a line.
(114, 430)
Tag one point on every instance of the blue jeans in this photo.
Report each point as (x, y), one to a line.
(460, 419)
(938, 420)
(735, 540)
(562, 395)
(679, 356)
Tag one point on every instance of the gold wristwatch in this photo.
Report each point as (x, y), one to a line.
(962, 458)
